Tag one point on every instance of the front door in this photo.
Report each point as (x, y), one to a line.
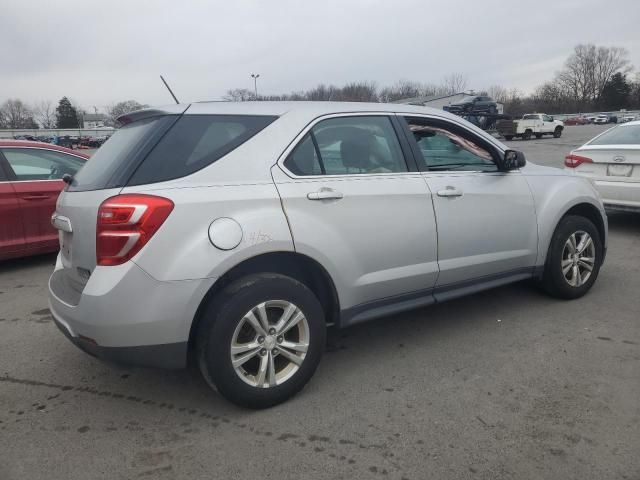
(487, 226)
(354, 206)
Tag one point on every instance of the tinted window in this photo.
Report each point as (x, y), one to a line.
(36, 164)
(194, 142)
(622, 135)
(348, 145)
(447, 147)
(118, 154)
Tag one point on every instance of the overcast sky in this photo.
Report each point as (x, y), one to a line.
(100, 52)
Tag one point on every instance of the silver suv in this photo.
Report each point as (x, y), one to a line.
(239, 231)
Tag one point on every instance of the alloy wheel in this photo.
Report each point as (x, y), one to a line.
(578, 258)
(270, 343)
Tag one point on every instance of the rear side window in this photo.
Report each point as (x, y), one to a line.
(194, 142)
(348, 146)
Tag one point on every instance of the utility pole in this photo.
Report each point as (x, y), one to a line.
(255, 83)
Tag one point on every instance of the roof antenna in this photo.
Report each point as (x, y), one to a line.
(168, 88)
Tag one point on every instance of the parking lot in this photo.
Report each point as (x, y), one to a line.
(508, 383)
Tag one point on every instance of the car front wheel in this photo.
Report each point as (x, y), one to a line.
(574, 258)
(261, 340)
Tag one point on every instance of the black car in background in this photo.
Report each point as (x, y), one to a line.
(473, 104)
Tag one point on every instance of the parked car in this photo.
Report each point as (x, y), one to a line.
(576, 121)
(600, 119)
(240, 231)
(612, 162)
(531, 124)
(30, 181)
(473, 104)
(627, 118)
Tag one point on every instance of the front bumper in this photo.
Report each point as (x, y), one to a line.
(124, 315)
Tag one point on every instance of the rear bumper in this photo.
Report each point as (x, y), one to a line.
(124, 315)
(168, 356)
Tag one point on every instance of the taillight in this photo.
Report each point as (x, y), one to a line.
(573, 161)
(126, 223)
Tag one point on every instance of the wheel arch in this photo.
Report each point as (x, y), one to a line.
(582, 209)
(295, 265)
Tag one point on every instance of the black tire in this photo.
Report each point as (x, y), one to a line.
(557, 132)
(553, 279)
(527, 135)
(508, 137)
(222, 316)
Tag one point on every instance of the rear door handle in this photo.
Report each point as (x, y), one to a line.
(325, 194)
(450, 192)
(35, 197)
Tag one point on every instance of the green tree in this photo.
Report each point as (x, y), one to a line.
(615, 94)
(66, 115)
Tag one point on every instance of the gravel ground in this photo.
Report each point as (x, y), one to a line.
(506, 384)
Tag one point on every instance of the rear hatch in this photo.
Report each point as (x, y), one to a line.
(154, 146)
(103, 176)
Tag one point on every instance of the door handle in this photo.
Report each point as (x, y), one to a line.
(35, 197)
(450, 192)
(325, 194)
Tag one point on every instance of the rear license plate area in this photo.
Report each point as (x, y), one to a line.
(619, 170)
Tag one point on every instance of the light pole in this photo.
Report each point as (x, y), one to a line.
(255, 83)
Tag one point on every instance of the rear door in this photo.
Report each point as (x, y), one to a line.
(37, 180)
(11, 234)
(356, 205)
(487, 228)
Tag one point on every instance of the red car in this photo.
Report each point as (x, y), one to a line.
(30, 182)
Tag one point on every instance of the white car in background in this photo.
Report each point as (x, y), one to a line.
(601, 119)
(612, 162)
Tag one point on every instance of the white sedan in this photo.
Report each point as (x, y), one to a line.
(612, 162)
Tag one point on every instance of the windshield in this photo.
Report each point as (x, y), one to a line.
(621, 135)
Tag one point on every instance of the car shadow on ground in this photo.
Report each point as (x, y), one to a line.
(624, 222)
(15, 264)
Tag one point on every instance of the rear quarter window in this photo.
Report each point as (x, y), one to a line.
(195, 142)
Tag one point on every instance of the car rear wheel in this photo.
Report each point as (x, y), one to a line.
(574, 258)
(527, 135)
(557, 132)
(261, 340)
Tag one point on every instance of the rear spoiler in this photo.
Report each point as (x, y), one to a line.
(152, 112)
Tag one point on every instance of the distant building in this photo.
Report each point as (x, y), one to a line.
(439, 101)
(94, 120)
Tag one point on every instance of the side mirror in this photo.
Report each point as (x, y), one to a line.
(512, 160)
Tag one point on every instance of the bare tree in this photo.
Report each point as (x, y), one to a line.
(45, 113)
(359, 92)
(498, 93)
(239, 95)
(16, 114)
(402, 90)
(453, 83)
(588, 69)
